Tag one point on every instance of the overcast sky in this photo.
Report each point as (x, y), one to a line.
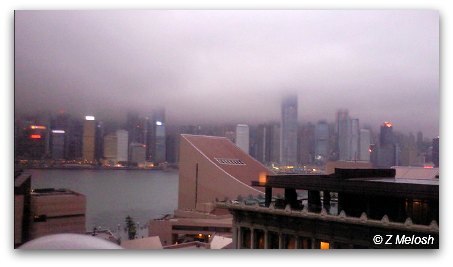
(232, 66)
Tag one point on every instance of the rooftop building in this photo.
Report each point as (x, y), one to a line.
(369, 202)
(55, 211)
(211, 168)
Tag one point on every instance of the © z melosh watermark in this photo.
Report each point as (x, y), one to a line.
(403, 240)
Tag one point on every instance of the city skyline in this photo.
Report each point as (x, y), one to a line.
(222, 66)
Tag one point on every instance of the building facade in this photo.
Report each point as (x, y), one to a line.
(89, 137)
(56, 211)
(242, 139)
(365, 142)
(347, 209)
(321, 142)
(289, 127)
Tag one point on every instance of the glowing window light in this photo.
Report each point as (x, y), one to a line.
(89, 118)
(35, 136)
(325, 245)
(58, 131)
(38, 127)
(262, 178)
(159, 123)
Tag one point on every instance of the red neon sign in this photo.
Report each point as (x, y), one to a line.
(35, 136)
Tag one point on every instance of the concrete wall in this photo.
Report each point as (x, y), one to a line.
(206, 184)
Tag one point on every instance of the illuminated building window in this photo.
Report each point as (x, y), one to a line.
(324, 245)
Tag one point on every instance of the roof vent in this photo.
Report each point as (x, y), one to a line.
(229, 161)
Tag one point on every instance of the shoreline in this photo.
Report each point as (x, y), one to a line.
(101, 168)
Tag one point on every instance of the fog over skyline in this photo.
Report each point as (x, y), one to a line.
(232, 66)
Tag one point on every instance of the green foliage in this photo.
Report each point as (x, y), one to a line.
(131, 227)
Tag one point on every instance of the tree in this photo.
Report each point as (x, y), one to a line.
(131, 227)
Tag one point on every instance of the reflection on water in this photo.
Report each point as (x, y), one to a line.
(112, 195)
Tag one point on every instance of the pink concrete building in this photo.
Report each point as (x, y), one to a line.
(211, 168)
(56, 211)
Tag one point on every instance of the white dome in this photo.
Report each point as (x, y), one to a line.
(69, 241)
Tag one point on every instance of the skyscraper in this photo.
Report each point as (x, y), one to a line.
(436, 152)
(306, 143)
(348, 135)
(274, 139)
(89, 135)
(156, 143)
(321, 142)
(387, 152)
(116, 147)
(354, 140)
(365, 142)
(343, 135)
(243, 137)
(263, 140)
(57, 143)
(123, 147)
(386, 137)
(289, 126)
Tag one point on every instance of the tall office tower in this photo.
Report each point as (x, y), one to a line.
(387, 152)
(32, 142)
(321, 142)
(62, 122)
(110, 148)
(253, 141)
(343, 135)
(274, 139)
(306, 142)
(289, 127)
(116, 147)
(99, 140)
(172, 148)
(365, 142)
(436, 152)
(122, 152)
(156, 141)
(74, 140)
(132, 123)
(263, 143)
(243, 137)
(137, 154)
(408, 156)
(89, 137)
(136, 127)
(57, 144)
(386, 137)
(355, 139)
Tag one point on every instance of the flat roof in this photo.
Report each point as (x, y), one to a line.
(374, 184)
(52, 192)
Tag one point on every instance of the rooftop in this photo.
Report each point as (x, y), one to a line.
(360, 181)
(227, 156)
